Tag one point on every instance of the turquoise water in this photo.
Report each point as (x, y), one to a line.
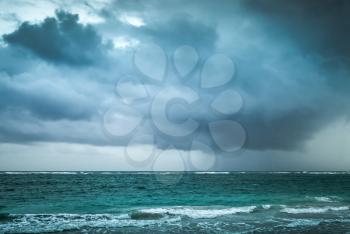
(236, 202)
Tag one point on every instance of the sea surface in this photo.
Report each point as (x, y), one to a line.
(165, 202)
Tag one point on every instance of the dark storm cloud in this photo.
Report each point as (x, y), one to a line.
(315, 90)
(317, 26)
(43, 101)
(293, 69)
(292, 62)
(286, 132)
(38, 100)
(60, 39)
(289, 109)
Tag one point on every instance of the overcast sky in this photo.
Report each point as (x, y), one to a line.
(124, 85)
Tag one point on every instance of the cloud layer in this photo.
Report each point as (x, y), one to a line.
(59, 39)
(58, 74)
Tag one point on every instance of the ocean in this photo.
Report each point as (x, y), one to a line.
(169, 202)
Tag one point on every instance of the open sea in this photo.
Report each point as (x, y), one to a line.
(166, 202)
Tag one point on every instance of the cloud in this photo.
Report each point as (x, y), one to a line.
(46, 156)
(54, 101)
(178, 26)
(320, 27)
(181, 29)
(287, 64)
(50, 104)
(60, 39)
(15, 60)
(292, 71)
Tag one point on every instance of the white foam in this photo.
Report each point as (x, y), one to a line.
(280, 172)
(212, 172)
(266, 207)
(303, 222)
(313, 210)
(327, 172)
(38, 223)
(309, 172)
(43, 172)
(323, 199)
(197, 213)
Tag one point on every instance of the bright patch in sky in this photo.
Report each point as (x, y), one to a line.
(124, 42)
(132, 20)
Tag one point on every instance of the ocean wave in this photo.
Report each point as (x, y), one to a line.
(199, 213)
(38, 223)
(281, 172)
(303, 222)
(175, 172)
(325, 199)
(141, 215)
(313, 210)
(43, 172)
(5, 217)
(212, 172)
(327, 172)
(308, 172)
(266, 207)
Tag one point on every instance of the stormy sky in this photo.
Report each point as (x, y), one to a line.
(77, 91)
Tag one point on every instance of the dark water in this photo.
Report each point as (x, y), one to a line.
(102, 202)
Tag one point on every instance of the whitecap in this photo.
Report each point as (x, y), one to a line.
(324, 199)
(39, 223)
(313, 210)
(42, 172)
(303, 222)
(198, 212)
(266, 207)
(212, 172)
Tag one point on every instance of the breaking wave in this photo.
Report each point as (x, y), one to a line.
(313, 210)
(197, 213)
(38, 223)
